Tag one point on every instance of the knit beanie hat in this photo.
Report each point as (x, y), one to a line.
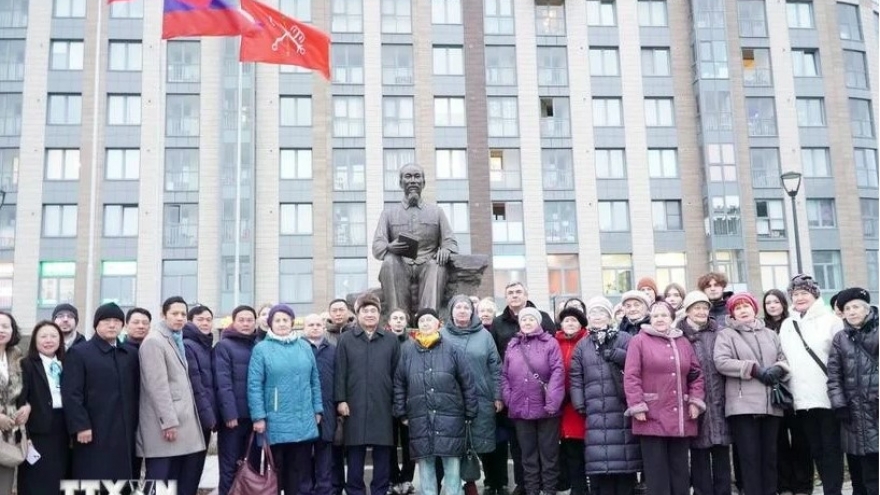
(739, 298)
(693, 297)
(66, 307)
(852, 294)
(530, 311)
(367, 299)
(647, 282)
(108, 311)
(279, 308)
(637, 295)
(426, 311)
(599, 302)
(573, 312)
(803, 282)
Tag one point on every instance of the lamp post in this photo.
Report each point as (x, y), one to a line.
(791, 182)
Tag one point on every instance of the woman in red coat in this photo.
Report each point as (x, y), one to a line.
(573, 324)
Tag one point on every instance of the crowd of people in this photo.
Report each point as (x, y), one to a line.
(651, 395)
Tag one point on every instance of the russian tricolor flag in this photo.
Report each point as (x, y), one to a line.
(184, 18)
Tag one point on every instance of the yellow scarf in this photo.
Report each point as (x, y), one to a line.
(427, 340)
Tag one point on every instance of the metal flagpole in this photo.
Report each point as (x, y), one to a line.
(238, 148)
(93, 187)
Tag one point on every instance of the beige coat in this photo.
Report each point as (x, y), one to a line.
(166, 399)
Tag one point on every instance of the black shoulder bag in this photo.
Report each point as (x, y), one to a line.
(532, 371)
(810, 351)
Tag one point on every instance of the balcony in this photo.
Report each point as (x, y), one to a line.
(555, 127)
(757, 78)
(182, 235)
(182, 181)
(762, 127)
(182, 127)
(184, 73)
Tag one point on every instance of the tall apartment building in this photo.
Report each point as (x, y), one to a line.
(581, 143)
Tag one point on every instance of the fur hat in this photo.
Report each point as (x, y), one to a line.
(693, 297)
(108, 311)
(852, 294)
(803, 282)
(574, 313)
(367, 299)
(426, 311)
(741, 297)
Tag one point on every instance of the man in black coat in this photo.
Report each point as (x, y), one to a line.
(100, 392)
(366, 358)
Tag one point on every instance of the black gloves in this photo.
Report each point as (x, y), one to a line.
(607, 354)
(768, 376)
(843, 414)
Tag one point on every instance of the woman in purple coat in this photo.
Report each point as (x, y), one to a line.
(664, 392)
(533, 386)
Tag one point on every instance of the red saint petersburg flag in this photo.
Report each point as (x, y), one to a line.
(282, 40)
(203, 18)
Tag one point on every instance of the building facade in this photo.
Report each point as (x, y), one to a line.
(583, 144)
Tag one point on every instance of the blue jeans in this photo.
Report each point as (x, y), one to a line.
(451, 475)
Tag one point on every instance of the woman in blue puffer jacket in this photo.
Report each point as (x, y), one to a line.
(284, 398)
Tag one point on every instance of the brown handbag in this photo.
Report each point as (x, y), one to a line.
(250, 482)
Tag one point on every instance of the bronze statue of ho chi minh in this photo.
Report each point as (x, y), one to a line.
(414, 241)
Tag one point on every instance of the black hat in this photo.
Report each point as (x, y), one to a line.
(851, 294)
(574, 312)
(66, 307)
(426, 311)
(106, 312)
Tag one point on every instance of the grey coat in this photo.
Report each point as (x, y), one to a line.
(713, 428)
(609, 446)
(166, 400)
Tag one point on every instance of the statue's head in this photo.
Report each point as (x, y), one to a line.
(412, 181)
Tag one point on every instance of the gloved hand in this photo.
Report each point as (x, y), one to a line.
(776, 373)
(607, 354)
(843, 414)
(763, 375)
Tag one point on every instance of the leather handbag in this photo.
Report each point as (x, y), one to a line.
(13, 447)
(470, 461)
(781, 397)
(252, 482)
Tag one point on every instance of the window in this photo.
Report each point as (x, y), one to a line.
(555, 118)
(501, 65)
(498, 17)
(350, 224)
(296, 164)
(866, 167)
(762, 116)
(663, 163)
(132, 9)
(62, 164)
(348, 170)
(184, 60)
(446, 11)
(756, 67)
(70, 8)
(709, 14)
(296, 218)
(449, 112)
(120, 220)
(123, 164)
(563, 273)
(296, 111)
(347, 16)
(774, 270)
(180, 278)
(815, 162)
(448, 61)
(848, 21)
(726, 215)
(350, 276)
(295, 281)
(811, 112)
(549, 18)
(821, 214)
(504, 169)
(613, 216)
(397, 116)
(396, 16)
(861, 120)
(856, 69)
(655, 62)
(397, 64)
(125, 56)
(123, 109)
(458, 216)
(65, 109)
(827, 270)
(770, 222)
(503, 116)
(652, 13)
(659, 112)
(671, 267)
(59, 220)
(730, 263)
(348, 63)
(11, 59)
(348, 116)
(10, 114)
(7, 229)
(182, 169)
(9, 162)
(66, 55)
(394, 160)
(14, 14)
(182, 115)
(800, 14)
(611, 163)
(507, 269)
(765, 167)
(604, 62)
(752, 19)
(557, 169)
(56, 283)
(7, 271)
(601, 13)
(666, 215)
(617, 274)
(873, 268)
(507, 223)
(607, 112)
(805, 62)
(713, 60)
(451, 164)
(181, 227)
(298, 9)
(870, 217)
(716, 110)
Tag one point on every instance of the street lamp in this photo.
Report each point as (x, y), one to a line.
(791, 182)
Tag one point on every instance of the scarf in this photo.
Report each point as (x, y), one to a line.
(427, 340)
